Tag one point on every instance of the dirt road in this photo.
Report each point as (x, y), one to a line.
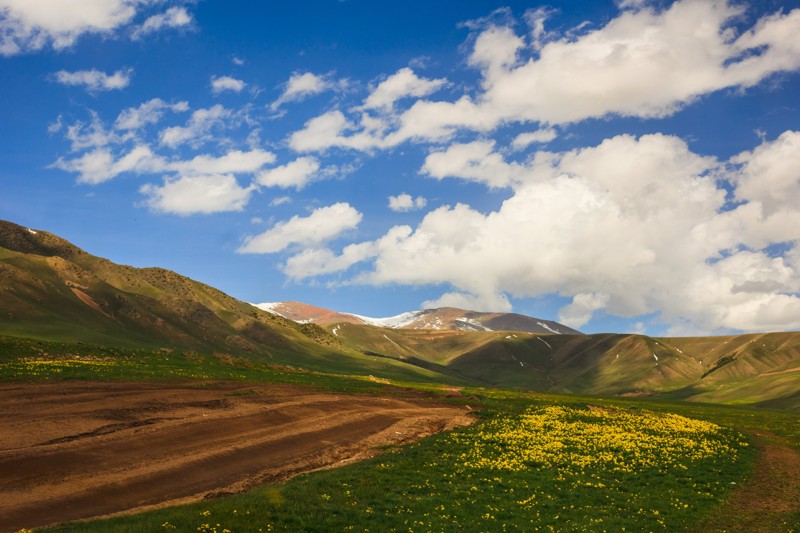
(77, 450)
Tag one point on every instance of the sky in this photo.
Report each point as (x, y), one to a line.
(617, 166)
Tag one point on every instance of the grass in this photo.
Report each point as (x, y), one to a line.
(34, 360)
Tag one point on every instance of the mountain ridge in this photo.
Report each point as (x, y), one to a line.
(442, 318)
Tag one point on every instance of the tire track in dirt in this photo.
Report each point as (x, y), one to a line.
(73, 460)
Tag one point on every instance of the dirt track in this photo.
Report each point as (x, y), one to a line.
(77, 450)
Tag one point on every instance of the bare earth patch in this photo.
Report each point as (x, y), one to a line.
(71, 451)
(769, 500)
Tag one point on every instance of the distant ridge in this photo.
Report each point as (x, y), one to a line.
(443, 318)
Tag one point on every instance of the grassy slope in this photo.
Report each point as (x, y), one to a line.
(751, 369)
(55, 293)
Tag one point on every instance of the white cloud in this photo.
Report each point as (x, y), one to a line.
(322, 225)
(233, 162)
(630, 226)
(401, 84)
(580, 311)
(495, 52)
(206, 194)
(280, 200)
(475, 161)
(27, 25)
(523, 140)
(496, 303)
(197, 128)
(296, 174)
(95, 80)
(174, 17)
(226, 83)
(405, 202)
(770, 174)
(643, 63)
(99, 165)
(328, 131)
(150, 112)
(92, 135)
(301, 86)
(321, 261)
(536, 18)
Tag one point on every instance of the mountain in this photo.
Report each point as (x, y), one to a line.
(51, 290)
(444, 318)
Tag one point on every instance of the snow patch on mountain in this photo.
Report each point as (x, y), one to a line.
(470, 324)
(397, 321)
(270, 307)
(548, 328)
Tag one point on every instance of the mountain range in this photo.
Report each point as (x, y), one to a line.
(53, 291)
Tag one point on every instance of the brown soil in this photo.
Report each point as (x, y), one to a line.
(72, 451)
(767, 501)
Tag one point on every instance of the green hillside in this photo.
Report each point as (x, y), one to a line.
(52, 291)
(759, 369)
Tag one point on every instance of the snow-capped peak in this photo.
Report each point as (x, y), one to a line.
(397, 321)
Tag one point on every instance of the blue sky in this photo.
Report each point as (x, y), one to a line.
(617, 166)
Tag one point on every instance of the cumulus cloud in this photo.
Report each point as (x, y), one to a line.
(198, 127)
(301, 86)
(581, 309)
(313, 262)
(296, 174)
(631, 226)
(31, 25)
(226, 83)
(643, 63)
(401, 84)
(322, 225)
(475, 161)
(148, 113)
(770, 174)
(27, 25)
(206, 194)
(405, 202)
(330, 131)
(174, 17)
(94, 80)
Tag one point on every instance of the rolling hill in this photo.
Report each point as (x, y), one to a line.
(761, 369)
(53, 291)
